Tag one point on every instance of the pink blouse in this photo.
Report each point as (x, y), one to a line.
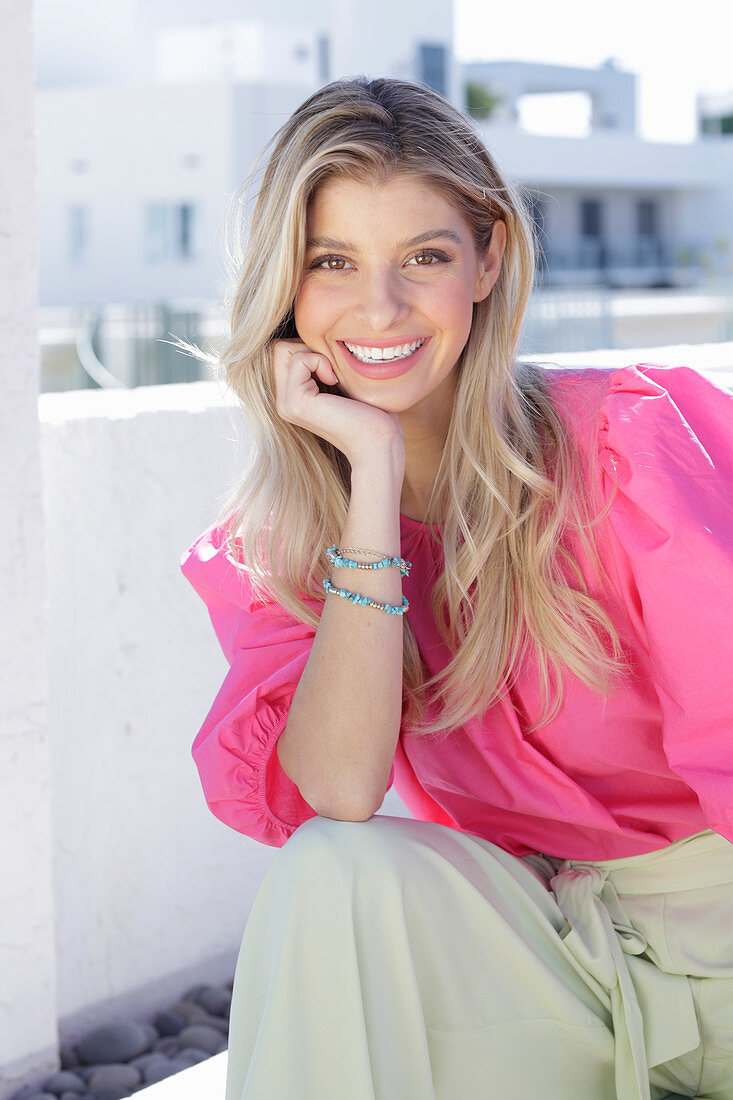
(606, 778)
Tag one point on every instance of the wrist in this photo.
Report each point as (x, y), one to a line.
(386, 462)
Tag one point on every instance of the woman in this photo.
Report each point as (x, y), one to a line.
(505, 588)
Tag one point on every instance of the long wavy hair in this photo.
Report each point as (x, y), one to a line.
(509, 486)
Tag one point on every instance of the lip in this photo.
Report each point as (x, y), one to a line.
(387, 369)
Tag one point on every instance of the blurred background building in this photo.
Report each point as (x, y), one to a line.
(151, 115)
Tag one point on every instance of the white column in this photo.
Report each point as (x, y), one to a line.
(28, 1044)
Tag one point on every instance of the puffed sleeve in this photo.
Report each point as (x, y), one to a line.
(666, 456)
(243, 781)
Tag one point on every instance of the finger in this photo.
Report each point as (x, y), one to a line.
(325, 371)
(317, 364)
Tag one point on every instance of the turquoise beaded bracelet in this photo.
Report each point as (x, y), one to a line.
(366, 601)
(336, 558)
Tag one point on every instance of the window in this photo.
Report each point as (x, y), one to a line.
(170, 231)
(590, 219)
(432, 67)
(647, 218)
(323, 46)
(78, 228)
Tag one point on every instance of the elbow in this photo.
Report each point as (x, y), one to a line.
(340, 808)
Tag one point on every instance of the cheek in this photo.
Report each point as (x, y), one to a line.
(314, 311)
(451, 308)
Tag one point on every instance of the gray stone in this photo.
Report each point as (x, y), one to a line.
(76, 1096)
(178, 1064)
(203, 1036)
(216, 1001)
(113, 1043)
(65, 1081)
(217, 1022)
(193, 1055)
(25, 1092)
(168, 1046)
(191, 1012)
(116, 1076)
(85, 1072)
(144, 1060)
(195, 992)
(169, 1023)
(111, 1092)
(159, 1071)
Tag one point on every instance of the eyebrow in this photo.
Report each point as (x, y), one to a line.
(347, 246)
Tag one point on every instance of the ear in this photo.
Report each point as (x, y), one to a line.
(489, 264)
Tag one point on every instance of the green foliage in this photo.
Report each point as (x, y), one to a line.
(481, 102)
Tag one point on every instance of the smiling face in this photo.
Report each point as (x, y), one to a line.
(391, 277)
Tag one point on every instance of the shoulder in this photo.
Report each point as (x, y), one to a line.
(601, 404)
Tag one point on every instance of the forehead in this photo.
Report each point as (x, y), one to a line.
(379, 207)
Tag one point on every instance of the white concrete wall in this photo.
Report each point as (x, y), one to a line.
(151, 890)
(149, 886)
(27, 964)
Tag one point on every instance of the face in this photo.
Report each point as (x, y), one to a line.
(391, 277)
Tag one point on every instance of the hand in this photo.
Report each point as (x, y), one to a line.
(357, 429)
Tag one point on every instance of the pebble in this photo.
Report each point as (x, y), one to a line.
(65, 1081)
(114, 1043)
(167, 1046)
(191, 1012)
(111, 1092)
(217, 1002)
(202, 1036)
(193, 1055)
(116, 1060)
(115, 1076)
(169, 1023)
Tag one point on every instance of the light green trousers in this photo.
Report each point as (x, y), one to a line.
(395, 959)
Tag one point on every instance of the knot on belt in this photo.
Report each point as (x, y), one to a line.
(599, 935)
(576, 878)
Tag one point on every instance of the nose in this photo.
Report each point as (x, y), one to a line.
(381, 302)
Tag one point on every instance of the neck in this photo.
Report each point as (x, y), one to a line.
(424, 449)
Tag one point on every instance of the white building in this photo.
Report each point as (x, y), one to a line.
(715, 114)
(150, 118)
(611, 208)
(150, 115)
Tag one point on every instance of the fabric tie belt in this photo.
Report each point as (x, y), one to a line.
(652, 1011)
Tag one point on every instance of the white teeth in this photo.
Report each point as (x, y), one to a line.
(380, 355)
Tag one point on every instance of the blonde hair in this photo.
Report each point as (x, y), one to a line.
(509, 485)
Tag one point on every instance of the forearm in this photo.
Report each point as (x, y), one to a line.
(340, 737)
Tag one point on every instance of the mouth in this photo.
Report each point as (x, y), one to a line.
(372, 361)
(383, 355)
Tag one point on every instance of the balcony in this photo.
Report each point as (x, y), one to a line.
(644, 263)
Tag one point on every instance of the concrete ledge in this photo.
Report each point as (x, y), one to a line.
(204, 1081)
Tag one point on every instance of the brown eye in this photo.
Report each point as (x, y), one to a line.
(429, 258)
(329, 263)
